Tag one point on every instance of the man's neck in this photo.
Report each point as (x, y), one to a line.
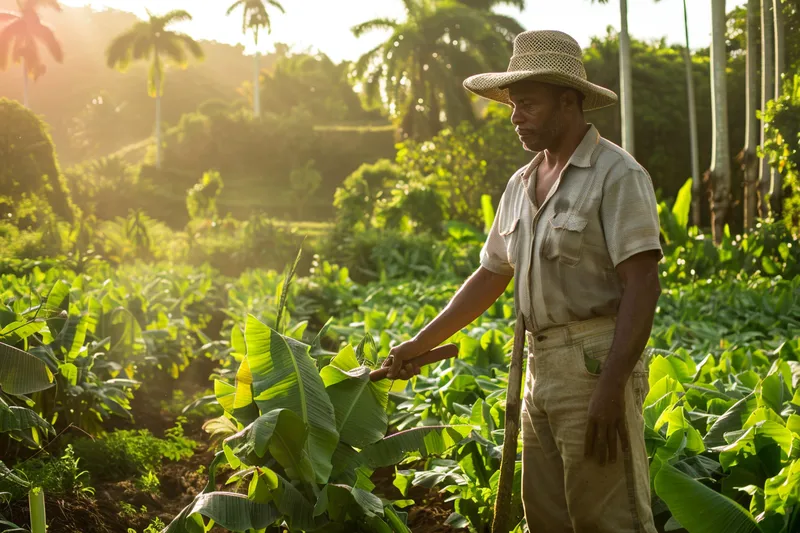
(558, 156)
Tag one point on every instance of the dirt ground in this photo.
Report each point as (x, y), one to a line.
(181, 481)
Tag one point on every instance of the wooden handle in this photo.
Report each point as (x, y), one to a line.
(505, 485)
(433, 356)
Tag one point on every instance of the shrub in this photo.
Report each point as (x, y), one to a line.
(56, 475)
(355, 200)
(29, 160)
(126, 454)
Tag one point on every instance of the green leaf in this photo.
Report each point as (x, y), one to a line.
(6, 474)
(359, 403)
(285, 377)
(237, 341)
(70, 373)
(231, 511)
(428, 440)
(698, 508)
(21, 372)
(72, 336)
(683, 202)
(226, 394)
(781, 492)
(732, 420)
(283, 434)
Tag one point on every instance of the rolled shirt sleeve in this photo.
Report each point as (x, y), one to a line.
(494, 256)
(630, 215)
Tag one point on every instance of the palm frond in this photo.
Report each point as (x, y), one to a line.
(236, 5)
(8, 15)
(277, 5)
(193, 46)
(119, 52)
(143, 47)
(175, 16)
(48, 37)
(6, 38)
(170, 46)
(374, 24)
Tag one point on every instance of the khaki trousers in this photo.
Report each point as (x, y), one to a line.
(562, 492)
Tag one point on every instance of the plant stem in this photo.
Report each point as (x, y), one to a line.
(36, 506)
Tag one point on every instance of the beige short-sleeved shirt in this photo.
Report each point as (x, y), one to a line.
(562, 254)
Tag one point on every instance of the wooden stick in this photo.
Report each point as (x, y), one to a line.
(445, 351)
(505, 486)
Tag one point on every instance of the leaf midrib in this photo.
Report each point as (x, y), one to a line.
(352, 405)
(300, 384)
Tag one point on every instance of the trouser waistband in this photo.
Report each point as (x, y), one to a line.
(571, 332)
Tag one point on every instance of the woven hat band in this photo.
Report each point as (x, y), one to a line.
(556, 61)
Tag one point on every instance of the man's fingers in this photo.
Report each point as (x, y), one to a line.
(623, 436)
(588, 445)
(397, 366)
(612, 443)
(601, 443)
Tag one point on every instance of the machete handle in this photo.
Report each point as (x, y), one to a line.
(441, 353)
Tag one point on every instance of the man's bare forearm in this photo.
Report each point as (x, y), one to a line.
(474, 297)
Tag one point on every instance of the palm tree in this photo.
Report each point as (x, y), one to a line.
(19, 36)
(749, 158)
(776, 197)
(720, 171)
(625, 77)
(420, 67)
(767, 91)
(255, 17)
(151, 40)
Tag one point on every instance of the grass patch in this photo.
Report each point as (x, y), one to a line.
(127, 454)
(56, 475)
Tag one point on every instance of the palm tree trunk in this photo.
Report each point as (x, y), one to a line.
(720, 159)
(626, 82)
(25, 82)
(257, 87)
(749, 157)
(696, 178)
(158, 122)
(776, 196)
(767, 91)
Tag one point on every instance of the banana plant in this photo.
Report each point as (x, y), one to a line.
(309, 440)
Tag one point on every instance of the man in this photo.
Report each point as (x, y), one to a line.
(577, 230)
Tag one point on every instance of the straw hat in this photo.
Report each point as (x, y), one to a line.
(546, 56)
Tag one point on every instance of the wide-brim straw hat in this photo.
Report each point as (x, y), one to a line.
(545, 56)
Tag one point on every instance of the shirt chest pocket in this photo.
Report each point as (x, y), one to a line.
(510, 232)
(565, 237)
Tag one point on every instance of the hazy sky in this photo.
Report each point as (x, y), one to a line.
(325, 24)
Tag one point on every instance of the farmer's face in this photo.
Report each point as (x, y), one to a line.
(539, 115)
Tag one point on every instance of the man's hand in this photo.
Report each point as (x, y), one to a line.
(606, 422)
(399, 361)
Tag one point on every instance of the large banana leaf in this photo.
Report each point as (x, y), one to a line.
(234, 512)
(21, 372)
(284, 377)
(339, 500)
(698, 508)
(428, 440)
(283, 434)
(359, 403)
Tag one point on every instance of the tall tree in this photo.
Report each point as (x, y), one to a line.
(420, 67)
(151, 40)
(255, 17)
(696, 178)
(776, 196)
(20, 35)
(625, 77)
(749, 158)
(767, 92)
(720, 172)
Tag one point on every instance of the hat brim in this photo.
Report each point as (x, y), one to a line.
(492, 86)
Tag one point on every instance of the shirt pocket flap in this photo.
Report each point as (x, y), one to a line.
(509, 227)
(569, 221)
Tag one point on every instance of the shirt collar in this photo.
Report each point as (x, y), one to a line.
(581, 157)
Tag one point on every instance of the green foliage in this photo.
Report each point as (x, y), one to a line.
(61, 476)
(29, 160)
(355, 201)
(314, 433)
(201, 200)
(125, 454)
(149, 483)
(469, 160)
(782, 147)
(315, 84)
